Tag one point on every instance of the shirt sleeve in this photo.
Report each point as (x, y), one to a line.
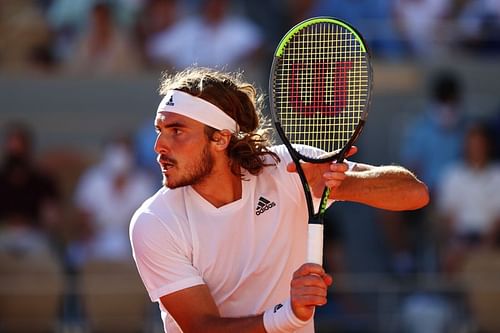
(163, 258)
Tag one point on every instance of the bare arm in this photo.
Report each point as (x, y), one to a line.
(195, 310)
(386, 187)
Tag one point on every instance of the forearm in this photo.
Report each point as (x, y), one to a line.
(281, 319)
(386, 187)
(194, 310)
(251, 324)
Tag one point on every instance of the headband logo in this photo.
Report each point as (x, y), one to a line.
(170, 101)
(196, 108)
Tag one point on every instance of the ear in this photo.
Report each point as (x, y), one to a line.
(221, 139)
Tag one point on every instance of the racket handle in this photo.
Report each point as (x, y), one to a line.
(315, 243)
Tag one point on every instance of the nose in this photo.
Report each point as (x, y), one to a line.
(160, 145)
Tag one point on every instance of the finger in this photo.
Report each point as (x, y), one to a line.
(338, 167)
(334, 179)
(308, 269)
(334, 183)
(311, 280)
(291, 167)
(334, 175)
(309, 291)
(308, 300)
(353, 150)
(328, 279)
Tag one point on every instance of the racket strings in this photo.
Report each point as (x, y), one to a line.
(322, 83)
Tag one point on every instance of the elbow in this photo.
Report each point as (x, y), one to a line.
(420, 196)
(413, 198)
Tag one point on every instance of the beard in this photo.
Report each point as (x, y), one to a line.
(195, 172)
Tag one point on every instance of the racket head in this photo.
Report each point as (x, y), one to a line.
(320, 87)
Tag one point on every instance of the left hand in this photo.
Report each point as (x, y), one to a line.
(308, 289)
(319, 175)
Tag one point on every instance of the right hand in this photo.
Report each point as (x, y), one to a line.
(319, 175)
(308, 289)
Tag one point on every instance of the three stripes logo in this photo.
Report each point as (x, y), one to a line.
(263, 205)
(170, 102)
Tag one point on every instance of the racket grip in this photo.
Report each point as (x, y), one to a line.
(315, 243)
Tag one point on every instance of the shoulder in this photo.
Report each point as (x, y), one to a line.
(281, 151)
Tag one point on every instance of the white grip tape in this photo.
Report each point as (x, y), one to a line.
(315, 244)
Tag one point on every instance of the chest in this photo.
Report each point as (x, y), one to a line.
(249, 241)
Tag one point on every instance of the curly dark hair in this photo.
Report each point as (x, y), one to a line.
(239, 100)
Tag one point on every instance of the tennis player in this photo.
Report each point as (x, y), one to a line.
(221, 247)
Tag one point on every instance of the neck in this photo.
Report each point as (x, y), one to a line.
(221, 187)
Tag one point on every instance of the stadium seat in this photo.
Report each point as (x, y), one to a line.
(31, 289)
(114, 299)
(481, 276)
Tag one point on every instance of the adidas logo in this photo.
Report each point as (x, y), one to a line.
(263, 205)
(170, 101)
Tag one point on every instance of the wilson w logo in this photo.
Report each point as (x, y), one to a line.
(328, 101)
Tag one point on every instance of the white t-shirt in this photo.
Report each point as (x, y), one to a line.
(245, 252)
(470, 197)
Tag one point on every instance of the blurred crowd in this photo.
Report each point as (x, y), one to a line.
(119, 37)
(78, 213)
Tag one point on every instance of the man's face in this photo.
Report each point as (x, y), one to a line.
(183, 150)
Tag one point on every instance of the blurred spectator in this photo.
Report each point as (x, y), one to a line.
(106, 196)
(68, 18)
(103, 48)
(274, 17)
(373, 19)
(494, 124)
(156, 16)
(29, 198)
(25, 37)
(422, 22)
(433, 139)
(213, 39)
(469, 200)
(431, 142)
(479, 26)
(144, 141)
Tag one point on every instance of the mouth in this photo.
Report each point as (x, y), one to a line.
(166, 163)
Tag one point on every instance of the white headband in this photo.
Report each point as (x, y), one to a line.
(185, 104)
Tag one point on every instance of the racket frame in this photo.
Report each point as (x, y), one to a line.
(315, 223)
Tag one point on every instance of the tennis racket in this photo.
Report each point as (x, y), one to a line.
(320, 92)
